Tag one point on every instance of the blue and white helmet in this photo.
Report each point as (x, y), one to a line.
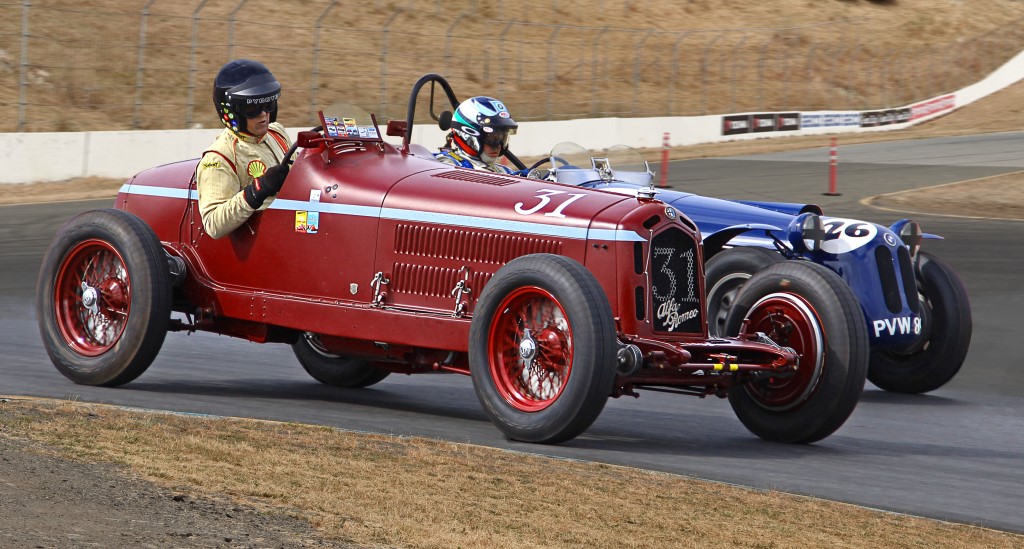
(480, 120)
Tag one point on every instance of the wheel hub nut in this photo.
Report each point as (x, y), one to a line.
(90, 297)
(527, 348)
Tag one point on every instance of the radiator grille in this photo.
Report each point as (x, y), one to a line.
(675, 286)
(887, 278)
(909, 280)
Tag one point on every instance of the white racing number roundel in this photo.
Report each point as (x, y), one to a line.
(846, 235)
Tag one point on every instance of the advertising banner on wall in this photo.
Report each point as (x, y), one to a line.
(760, 122)
(735, 124)
(787, 122)
(829, 119)
(933, 106)
(870, 119)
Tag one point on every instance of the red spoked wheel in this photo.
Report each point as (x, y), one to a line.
(791, 322)
(542, 348)
(93, 297)
(530, 349)
(805, 306)
(104, 298)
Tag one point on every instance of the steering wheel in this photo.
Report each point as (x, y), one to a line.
(557, 162)
(535, 171)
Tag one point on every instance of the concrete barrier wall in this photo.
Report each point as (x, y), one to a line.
(32, 157)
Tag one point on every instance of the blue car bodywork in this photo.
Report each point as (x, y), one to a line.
(871, 258)
(916, 309)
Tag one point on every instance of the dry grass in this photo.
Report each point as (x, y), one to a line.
(547, 59)
(996, 197)
(411, 492)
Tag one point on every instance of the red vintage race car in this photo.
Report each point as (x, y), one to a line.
(375, 259)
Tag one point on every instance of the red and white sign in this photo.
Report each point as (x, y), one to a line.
(933, 106)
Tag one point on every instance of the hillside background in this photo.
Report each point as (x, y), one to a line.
(149, 64)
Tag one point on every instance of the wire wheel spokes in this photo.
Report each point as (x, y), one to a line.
(530, 349)
(92, 297)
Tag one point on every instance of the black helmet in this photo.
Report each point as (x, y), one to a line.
(481, 119)
(243, 89)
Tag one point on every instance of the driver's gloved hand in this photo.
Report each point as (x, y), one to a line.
(265, 186)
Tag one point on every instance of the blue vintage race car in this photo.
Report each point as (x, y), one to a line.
(916, 308)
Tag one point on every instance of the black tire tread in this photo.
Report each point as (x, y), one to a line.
(846, 359)
(583, 290)
(336, 371)
(147, 326)
(742, 259)
(952, 324)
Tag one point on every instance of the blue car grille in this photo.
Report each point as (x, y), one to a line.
(887, 276)
(909, 280)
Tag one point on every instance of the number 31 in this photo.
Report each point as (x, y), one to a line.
(545, 197)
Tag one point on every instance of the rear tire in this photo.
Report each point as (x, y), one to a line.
(542, 349)
(334, 370)
(103, 298)
(809, 308)
(946, 311)
(724, 276)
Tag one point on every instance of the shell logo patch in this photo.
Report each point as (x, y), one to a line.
(256, 168)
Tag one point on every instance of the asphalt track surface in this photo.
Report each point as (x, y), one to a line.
(955, 454)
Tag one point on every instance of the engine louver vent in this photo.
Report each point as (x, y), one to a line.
(675, 286)
(476, 177)
(465, 245)
(434, 281)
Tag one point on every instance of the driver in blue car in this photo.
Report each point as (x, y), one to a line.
(480, 130)
(243, 169)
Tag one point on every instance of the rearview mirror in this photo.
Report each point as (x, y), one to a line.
(397, 128)
(444, 120)
(307, 139)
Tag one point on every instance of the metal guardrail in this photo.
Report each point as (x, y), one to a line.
(81, 69)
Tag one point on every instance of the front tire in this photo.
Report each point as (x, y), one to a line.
(334, 370)
(103, 298)
(809, 308)
(724, 276)
(946, 311)
(542, 349)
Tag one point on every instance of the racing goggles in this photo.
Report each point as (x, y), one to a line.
(252, 110)
(495, 139)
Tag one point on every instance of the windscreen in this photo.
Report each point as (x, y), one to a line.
(571, 164)
(628, 165)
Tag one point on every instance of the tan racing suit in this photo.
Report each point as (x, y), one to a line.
(227, 167)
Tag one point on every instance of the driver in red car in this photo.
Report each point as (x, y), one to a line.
(479, 134)
(242, 170)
